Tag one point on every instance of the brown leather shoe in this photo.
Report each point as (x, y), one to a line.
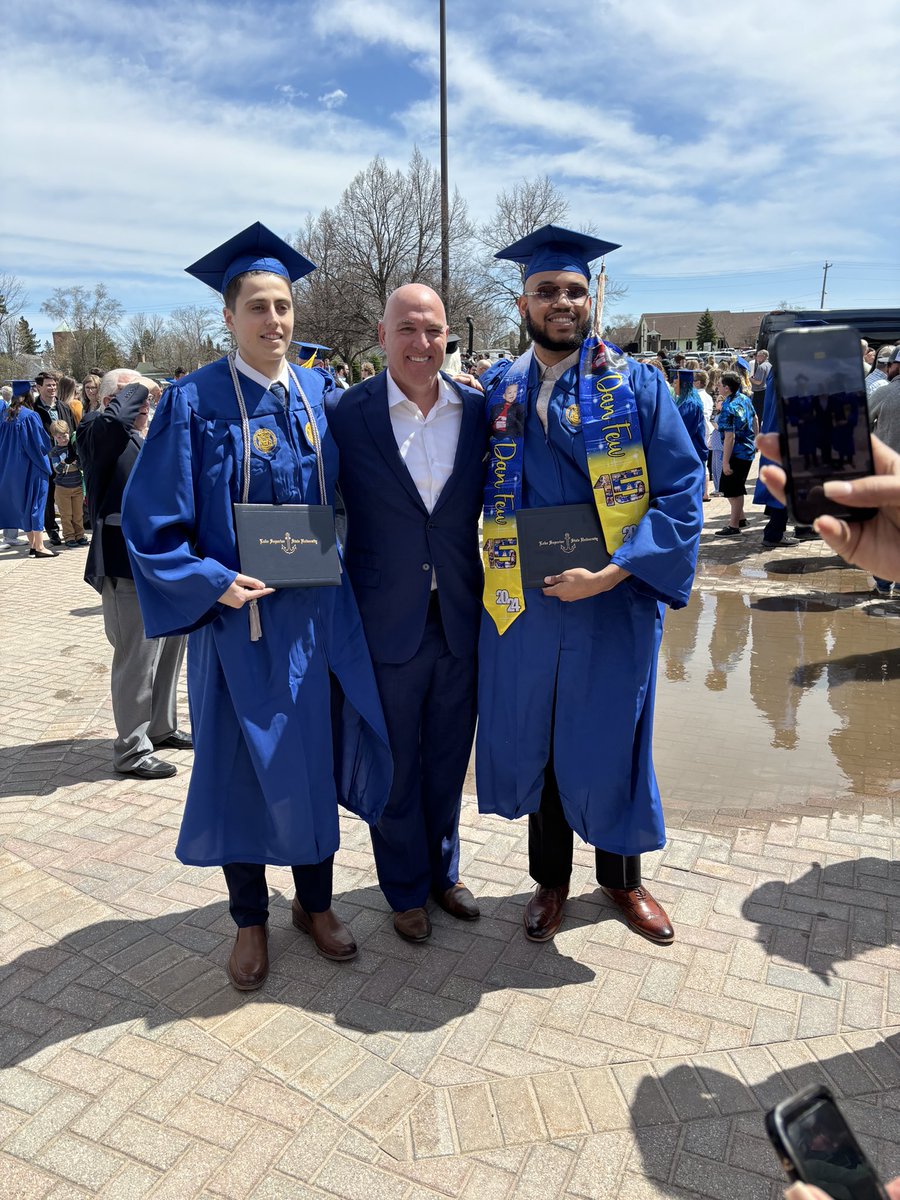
(459, 902)
(248, 964)
(642, 913)
(544, 912)
(413, 925)
(332, 937)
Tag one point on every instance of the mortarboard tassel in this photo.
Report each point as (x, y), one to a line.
(255, 624)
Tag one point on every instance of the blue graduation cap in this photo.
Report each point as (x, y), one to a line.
(685, 382)
(308, 352)
(255, 248)
(552, 248)
(21, 387)
(742, 362)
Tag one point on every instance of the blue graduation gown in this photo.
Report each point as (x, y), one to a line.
(274, 748)
(582, 675)
(24, 470)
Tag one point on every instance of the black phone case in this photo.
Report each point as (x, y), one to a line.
(806, 513)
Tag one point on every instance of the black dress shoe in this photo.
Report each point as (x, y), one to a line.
(178, 740)
(413, 925)
(55, 539)
(642, 913)
(544, 912)
(459, 902)
(150, 768)
(45, 553)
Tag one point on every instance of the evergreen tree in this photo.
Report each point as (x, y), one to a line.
(26, 342)
(706, 331)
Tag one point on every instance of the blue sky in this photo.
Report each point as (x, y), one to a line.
(730, 158)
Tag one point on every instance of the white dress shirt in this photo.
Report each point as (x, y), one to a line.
(427, 444)
(257, 376)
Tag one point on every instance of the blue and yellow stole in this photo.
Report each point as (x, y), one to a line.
(608, 418)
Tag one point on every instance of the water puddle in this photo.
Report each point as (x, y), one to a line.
(775, 700)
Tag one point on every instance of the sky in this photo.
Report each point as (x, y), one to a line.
(731, 149)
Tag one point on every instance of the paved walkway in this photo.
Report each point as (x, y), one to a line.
(478, 1066)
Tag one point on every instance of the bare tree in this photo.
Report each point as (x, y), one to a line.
(384, 231)
(13, 301)
(143, 334)
(91, 319)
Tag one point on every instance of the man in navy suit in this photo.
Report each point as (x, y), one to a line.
(412, 445)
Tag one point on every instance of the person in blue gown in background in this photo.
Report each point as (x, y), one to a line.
(566, 693)
(24, 470)
(287, 723)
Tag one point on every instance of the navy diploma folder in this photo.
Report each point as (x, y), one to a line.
(551, 540)
(288, 545)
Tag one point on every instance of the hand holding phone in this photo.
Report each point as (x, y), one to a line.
(815, 1145)
(823, 418)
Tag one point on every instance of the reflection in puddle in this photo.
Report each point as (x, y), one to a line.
(762, 704)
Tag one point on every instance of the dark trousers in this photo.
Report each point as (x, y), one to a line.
(248, 895)
(776, 525)
(550, 847)
(50, 525)
(759, 399)
(429, 709)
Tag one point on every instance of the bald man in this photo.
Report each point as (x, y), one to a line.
(412, 444)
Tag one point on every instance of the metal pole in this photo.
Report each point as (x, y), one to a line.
(824, 277)
(445, 206)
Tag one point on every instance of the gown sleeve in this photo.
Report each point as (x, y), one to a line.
(177, 589)
(37, 444)
(662, 554)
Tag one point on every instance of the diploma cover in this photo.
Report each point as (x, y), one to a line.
(288, 545)
(551, 540)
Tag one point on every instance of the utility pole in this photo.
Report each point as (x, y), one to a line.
(445, 206)
(824, 277)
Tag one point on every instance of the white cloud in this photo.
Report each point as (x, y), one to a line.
(333, 99)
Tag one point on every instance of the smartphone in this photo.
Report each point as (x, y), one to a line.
(823, 417)
(816, 1145)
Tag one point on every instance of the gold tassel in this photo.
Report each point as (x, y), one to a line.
(255, 625)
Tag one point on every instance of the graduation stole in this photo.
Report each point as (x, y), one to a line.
(606, 411)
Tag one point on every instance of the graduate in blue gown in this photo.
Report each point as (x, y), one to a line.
(24, 469)
(690, 408)
(566, 691)
(285, 713)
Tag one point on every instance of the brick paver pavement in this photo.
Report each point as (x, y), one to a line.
(478, 1065)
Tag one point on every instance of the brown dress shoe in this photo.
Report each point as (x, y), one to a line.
(544, 912)
(413, 925)
(332, 937)
(459, 902)
(248, 964)
(642, 913)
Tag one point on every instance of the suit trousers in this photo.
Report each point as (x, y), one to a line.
(429, 709)
(144, 676)
(248, 893)
(551, 846)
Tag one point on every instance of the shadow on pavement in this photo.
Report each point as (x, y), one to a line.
(700, 1130)
(830, 914)
(878, 666)
(40, 768)
(95, 611)
(169, 968)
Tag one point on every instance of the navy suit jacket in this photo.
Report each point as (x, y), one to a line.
(393, 543)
